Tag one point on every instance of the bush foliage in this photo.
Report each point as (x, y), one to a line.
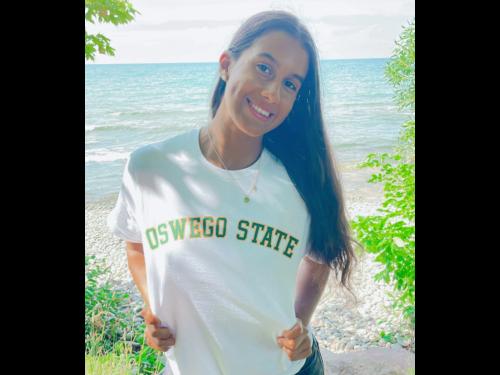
(115, 12)
(114, 336)
(391, 234)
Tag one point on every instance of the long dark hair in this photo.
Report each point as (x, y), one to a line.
(301, 144)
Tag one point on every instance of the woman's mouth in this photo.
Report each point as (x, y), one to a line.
(258, 112)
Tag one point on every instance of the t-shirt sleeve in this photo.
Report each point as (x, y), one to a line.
(122, 221)
(311, 257)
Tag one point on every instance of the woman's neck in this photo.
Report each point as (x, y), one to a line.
(236, 149)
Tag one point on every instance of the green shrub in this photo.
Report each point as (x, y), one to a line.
(391, 234)
(114, 337)
(106, 310)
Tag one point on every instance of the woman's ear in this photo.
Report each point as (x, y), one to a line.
(224, 62)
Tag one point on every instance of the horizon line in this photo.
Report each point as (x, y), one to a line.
(215, 62)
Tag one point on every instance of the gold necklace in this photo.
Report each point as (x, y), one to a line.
(246, 197)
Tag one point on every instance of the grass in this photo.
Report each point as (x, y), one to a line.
(114, 331)
(108, 364)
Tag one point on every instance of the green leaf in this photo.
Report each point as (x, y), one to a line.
(115, 12)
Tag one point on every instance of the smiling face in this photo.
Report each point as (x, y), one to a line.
(261, 86)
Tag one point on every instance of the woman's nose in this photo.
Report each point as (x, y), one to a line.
(272, 92)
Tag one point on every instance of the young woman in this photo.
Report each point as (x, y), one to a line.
(232, 228)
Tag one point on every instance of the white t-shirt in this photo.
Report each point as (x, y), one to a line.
(221, 273)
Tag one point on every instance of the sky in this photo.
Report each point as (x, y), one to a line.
(199, 30)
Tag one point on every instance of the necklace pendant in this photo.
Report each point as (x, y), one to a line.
(246, 199)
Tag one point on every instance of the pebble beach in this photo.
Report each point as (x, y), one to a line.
(340, 322)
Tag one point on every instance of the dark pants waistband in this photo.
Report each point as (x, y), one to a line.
(314, 363)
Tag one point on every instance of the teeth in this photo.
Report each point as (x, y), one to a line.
(261, 111)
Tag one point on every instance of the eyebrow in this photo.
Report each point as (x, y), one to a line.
(270, 57)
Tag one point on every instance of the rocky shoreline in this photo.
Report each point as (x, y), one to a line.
(341, 323)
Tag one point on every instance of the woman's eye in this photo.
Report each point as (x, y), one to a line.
(264, 68)
(291, 85)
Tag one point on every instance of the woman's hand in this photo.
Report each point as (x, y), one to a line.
(296, 342)
(157, 337)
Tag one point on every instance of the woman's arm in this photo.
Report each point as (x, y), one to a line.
(137, 267)
(312, 278)
(157, 337)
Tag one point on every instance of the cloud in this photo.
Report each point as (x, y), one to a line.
(184, 24)
(199, 30)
